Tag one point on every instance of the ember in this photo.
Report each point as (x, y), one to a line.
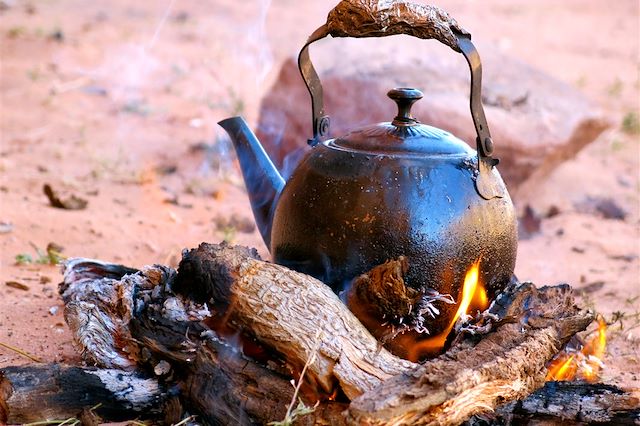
(474, 298)
(585, 363)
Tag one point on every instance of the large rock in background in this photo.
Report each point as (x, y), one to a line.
(536, 121)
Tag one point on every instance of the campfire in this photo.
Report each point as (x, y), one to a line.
(289, 350)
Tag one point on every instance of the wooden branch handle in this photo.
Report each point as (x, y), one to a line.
(379, 18)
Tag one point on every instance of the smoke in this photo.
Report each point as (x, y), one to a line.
(257, 52)
(125, 72)
(135, 64)
(138, 66)
(247, 51)
(244, 49)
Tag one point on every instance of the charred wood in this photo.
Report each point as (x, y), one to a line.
(396, 314)
(54, 391)
(568, 403)
(216, 379)
(167, 335)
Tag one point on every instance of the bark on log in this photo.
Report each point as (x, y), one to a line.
(289, 312)
(54, 391)
(476, 375)
(99, 299)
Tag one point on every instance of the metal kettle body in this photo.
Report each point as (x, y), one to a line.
(390, 189)
(343, 212)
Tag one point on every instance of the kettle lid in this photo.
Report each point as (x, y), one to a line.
(404, 135)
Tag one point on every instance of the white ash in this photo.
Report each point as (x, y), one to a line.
(133, 392)
(426, 308)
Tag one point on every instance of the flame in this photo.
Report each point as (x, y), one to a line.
(474, 297)
(469, 290)
(585, 363)
(333, 395)
(561, 368)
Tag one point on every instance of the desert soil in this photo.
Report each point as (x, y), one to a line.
(116, 102)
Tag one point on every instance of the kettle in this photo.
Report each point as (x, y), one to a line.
(388, 189)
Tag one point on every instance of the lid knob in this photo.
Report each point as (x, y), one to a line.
(405, 98)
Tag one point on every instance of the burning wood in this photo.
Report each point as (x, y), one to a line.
(506, 363)
(474, 299)
(399, 315)
(284, 310)
(581, 361)
(171, 328)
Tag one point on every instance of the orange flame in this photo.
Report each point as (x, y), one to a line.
(562, 368)
(583, 364)
(474, 297)
(333, 395)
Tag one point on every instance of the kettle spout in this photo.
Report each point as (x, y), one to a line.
(263, 181)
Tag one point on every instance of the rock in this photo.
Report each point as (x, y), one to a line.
(601, 206)
(529, 223)
(536, 121)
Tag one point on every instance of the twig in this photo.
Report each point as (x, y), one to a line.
(51, 422)
(185, 420)
(67, 86)
(301, 409)
(21, 352)
(71, 420)
(310, 360)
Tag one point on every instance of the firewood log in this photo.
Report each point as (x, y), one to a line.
(215, 378)
(289, 312)
(54, 391)
(569, 403)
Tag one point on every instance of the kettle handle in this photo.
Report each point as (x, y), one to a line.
(371, 18)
